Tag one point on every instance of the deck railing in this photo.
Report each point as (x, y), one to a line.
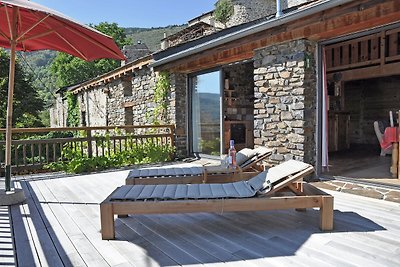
(31, 148)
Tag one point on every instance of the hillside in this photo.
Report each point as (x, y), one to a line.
(152, 36)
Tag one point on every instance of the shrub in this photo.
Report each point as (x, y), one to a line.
(148, 152)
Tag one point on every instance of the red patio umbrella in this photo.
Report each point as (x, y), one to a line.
(28, 26)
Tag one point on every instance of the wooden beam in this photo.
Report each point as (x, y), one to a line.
(370, 72)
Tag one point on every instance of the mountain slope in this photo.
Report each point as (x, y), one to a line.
(152, 36)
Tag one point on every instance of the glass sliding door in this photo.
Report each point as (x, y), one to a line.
(206, 113)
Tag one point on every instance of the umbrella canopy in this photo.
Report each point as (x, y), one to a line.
(27, 26)
(41, 28)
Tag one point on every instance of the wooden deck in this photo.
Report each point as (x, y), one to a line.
(59, 226)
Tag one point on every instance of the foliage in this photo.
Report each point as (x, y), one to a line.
(73, 116)
(133, 153)
(223, 11)
(160, 98)
(26, 104)
(210, 146)
(152, 36)
(71, 70)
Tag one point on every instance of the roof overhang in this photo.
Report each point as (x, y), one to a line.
(241, 33)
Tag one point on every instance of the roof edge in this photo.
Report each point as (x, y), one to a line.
(262, 26)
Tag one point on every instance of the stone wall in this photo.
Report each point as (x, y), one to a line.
(245, 10)
(129, 100)
(94, 105)
(177, 111)
(285, 105)
(249, 10)
(58, 113)
(141, 98)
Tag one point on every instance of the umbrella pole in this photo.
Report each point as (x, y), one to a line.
(9, 116)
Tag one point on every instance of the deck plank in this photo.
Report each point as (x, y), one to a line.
(137, 250)
(7, 257)
(366, 231)
(167, 246)
(86, 250)
(67, 251)
(42, 241)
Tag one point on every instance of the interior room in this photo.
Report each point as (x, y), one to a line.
(359, 113)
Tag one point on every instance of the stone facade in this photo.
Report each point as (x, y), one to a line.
(285, 117)
(141, 95)
(58, 113)
(245, 10)
(93, 106)
(177, 111)
(249, 10)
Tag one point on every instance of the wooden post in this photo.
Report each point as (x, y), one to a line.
(10, 97)
(398, 132)
(107, 221)
(395, 160)
(326, 213)
(89, 142)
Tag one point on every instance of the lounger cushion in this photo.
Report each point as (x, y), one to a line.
(244, 155)
(263, 182)
(168, 171)
(183, 191)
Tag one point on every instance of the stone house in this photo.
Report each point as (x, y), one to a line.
(280, 82)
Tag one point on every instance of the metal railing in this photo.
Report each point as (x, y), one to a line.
(32, 148)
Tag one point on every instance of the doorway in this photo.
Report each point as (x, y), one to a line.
(361, 90)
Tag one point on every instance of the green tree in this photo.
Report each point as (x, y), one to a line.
(72, 70)
(223, 11)
(27, 103)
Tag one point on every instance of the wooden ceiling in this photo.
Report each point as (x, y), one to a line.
(342, 20)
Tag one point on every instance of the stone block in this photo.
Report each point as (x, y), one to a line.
(282, 93)
(287, 99)
(298, 130)
(275, 118)
(284, 74)
(286, 115)
(282, 125)
(274, 100)
(260, 71)
(270, 110)
(269, 76)
(295, 138)
(277, 157)
(298, 105)
(282, 150)
(259, 105)
(298, 114)
(297, 124)
(273, 83)
(259, 83)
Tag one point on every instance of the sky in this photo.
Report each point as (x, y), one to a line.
(131, 13)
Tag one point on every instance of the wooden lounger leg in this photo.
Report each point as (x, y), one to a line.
(326, 213)
(107, 221)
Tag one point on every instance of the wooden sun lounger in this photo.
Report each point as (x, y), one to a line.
(303, 196)
(208, 174)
